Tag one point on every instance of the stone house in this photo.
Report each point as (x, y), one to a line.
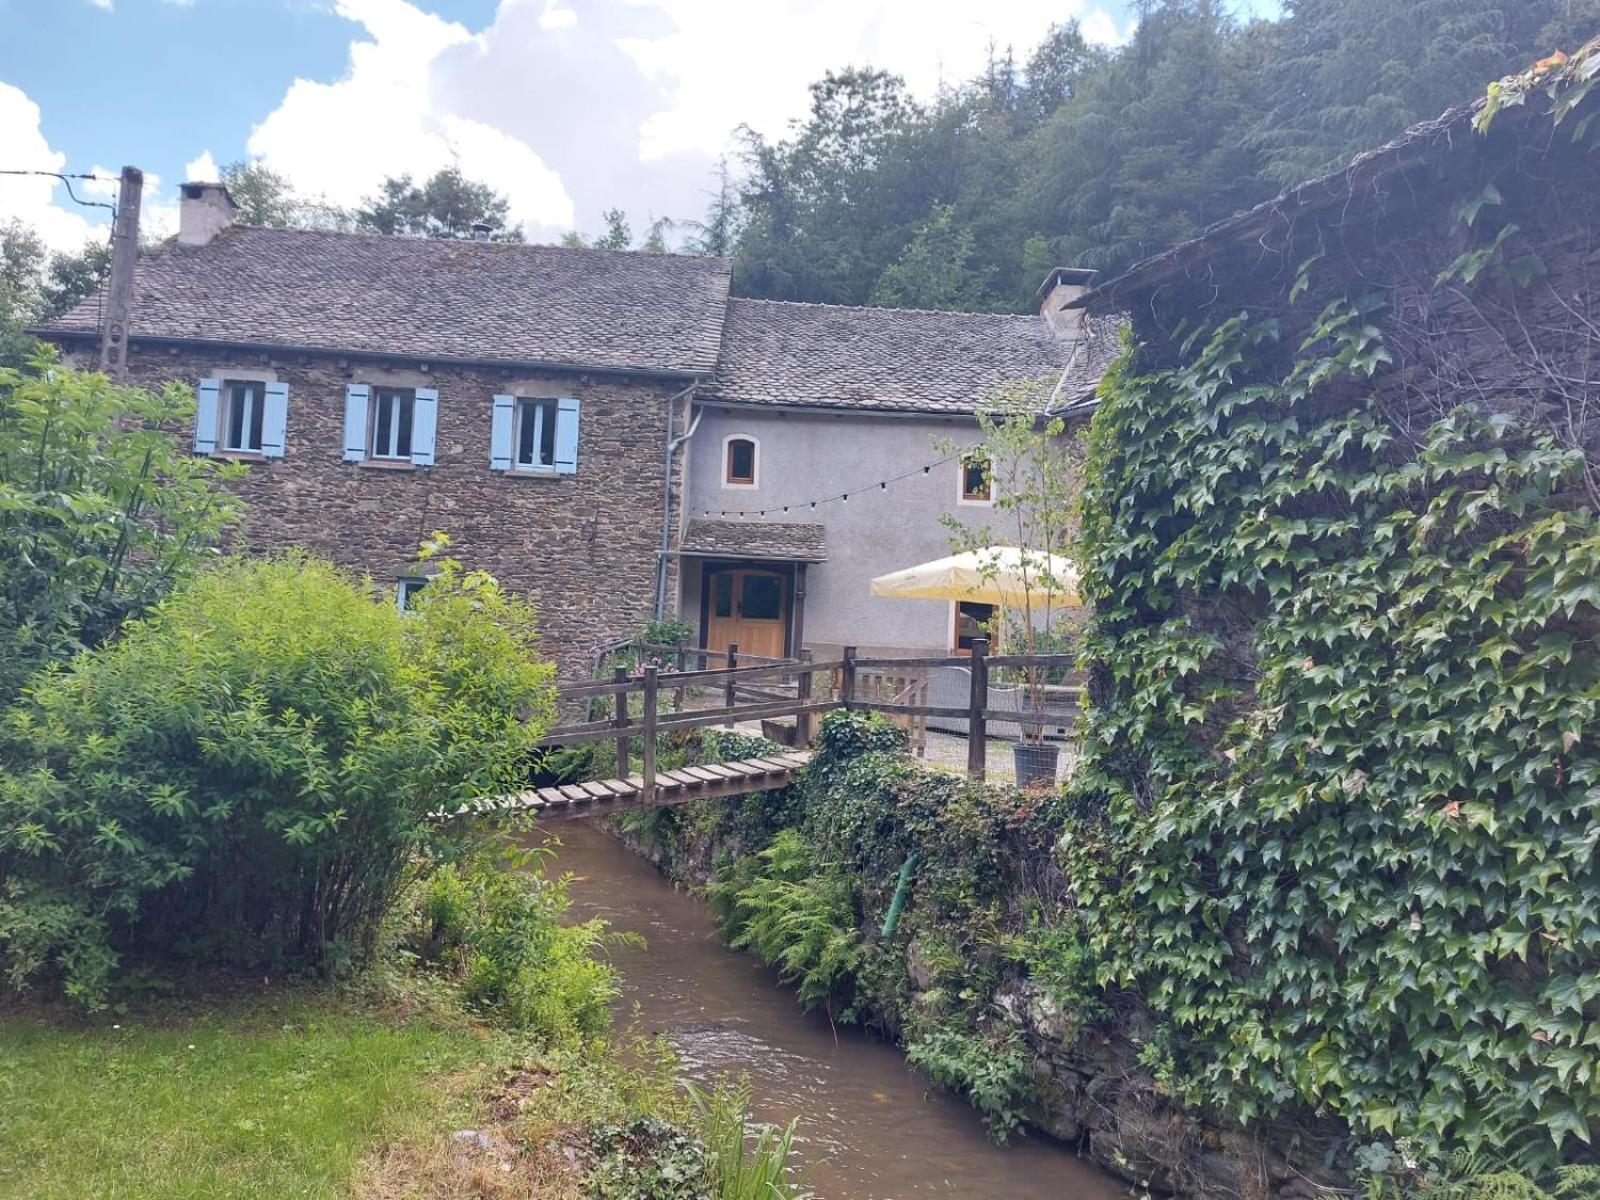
(598, 429)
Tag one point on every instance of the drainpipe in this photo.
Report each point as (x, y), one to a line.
(666, 495)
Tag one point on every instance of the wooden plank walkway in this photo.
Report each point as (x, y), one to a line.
(575, 800)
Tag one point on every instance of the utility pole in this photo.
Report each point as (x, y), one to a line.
(119, 291)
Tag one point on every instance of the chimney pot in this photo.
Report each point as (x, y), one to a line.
(481, 231)
(1062, 286)
(204, 210)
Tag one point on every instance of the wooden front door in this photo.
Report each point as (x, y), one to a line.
(750, 608)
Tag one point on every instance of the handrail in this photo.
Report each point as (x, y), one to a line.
(760, 704)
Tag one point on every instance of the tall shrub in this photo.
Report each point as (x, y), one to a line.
(101, 512)
(247, 775)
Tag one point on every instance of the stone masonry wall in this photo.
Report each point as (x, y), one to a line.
(582, 547)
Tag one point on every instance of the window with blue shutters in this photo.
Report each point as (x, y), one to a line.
(536, 435)
(390, 425)
(241, 417)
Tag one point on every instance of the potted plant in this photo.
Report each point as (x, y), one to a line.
(1029, 463)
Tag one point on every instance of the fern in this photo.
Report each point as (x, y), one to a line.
(798, 916)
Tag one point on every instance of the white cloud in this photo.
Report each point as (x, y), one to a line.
(33, 199)
(715, 79)
(102, 4)
(571, 106)
(202, 169)
(381, 119)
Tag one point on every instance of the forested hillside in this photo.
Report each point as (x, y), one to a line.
(1075, 154)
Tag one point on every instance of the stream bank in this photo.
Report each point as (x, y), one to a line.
(983, 981)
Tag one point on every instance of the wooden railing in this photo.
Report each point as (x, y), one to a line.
(741, 701)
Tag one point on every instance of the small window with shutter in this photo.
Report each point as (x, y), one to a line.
(534, 435)
(390, 426)
(393, 415)
(241, 417)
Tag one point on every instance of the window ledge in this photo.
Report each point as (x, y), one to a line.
(531, 473)
(244, 456)
(387, 464)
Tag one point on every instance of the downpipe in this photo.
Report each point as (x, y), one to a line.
(672, 445)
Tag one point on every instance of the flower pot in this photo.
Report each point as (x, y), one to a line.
(1035, 763)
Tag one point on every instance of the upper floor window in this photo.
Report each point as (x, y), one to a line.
(393, 414)
(976, 486)
(241, 416)
(536, 434)
(390, 425)
(739, 455)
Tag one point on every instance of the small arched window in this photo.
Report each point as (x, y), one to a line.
(739, 453)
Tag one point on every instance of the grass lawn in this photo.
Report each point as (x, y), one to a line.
(273, 1094)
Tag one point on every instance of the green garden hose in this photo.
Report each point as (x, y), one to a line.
(892, 921)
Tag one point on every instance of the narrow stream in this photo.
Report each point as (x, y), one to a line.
(871, 1128)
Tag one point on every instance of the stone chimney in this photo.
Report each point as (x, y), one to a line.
(1062, 286)
(204, 210)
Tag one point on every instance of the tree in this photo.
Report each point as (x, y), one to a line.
(718, 232)
(101, 510)
(448, 205)
(265, 197)
(935, 270)
(617, 235)
(22, 260)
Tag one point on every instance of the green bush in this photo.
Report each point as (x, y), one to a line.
(994, 1070)
(497, 928)
(247, 775)
(102, 511)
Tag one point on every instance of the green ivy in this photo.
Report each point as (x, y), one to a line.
(1345, 749)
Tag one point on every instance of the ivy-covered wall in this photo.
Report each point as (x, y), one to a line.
(1343, 764)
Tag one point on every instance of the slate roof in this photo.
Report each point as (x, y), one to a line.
(885, 359)
(431, 298)
(755, 539)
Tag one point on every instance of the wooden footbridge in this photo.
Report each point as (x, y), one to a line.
(769, 689)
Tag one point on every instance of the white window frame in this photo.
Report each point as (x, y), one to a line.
(254, 414)
(405, 395)
(545, 409)
(962, 498)
(755, 462)
(405, 587)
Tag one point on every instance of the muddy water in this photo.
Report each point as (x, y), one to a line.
(870, 1129)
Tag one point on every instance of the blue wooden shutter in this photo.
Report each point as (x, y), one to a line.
(275, 420)
(567, 436)
(208, 401)
(500, 433)
(356, 398)
(424, 424)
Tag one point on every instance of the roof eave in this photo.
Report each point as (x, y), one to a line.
(680, 374)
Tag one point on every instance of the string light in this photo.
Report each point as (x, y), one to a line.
(841, 497)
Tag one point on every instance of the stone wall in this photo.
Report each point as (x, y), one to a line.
(582, 547)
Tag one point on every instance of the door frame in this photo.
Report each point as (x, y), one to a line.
(794, 594)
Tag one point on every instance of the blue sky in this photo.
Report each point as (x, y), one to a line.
(567, 106)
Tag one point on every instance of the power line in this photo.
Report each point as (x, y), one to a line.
(66, 181)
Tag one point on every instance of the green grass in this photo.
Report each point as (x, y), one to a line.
(261, 1097)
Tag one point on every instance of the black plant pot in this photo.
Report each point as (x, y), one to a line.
(1035, 763)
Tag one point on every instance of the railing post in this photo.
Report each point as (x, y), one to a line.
(977, 701)
(651, 684)
(802, 720)
(847, 678)
(680, 662)
(619, 676)
(730, 695)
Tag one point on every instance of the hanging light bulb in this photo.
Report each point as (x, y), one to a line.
(884, 486)
(845, 498)
(925, 470)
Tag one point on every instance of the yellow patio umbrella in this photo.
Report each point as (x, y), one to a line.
(992, 575)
